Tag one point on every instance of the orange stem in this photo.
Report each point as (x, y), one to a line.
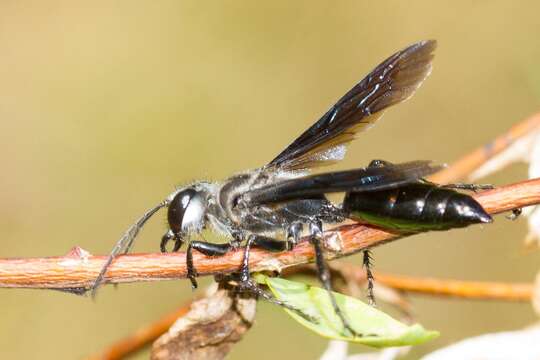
(142, 337)
(79, 269)
(461, 168)
(458, 288)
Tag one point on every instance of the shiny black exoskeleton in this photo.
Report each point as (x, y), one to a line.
(273, 206)
(416, 207)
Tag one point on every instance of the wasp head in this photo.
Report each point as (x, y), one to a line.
(187, 211)
(186, 214)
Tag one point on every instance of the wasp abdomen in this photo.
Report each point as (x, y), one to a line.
(415, 207)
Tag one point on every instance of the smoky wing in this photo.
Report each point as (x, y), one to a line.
(393, 81)
(357, 180)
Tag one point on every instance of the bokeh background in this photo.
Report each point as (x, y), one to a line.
(106, 106)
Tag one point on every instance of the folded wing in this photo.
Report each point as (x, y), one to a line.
(357, 180)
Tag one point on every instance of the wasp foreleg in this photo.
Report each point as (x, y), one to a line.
(208, 249)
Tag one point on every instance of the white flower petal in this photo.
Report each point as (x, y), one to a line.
(515, 345)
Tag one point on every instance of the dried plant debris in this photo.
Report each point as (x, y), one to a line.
(209, 330)
(524, 149)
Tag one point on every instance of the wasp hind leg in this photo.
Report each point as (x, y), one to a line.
(467, 187)
(315, 238)
(516, 213)
(378, 163)
(367, 262)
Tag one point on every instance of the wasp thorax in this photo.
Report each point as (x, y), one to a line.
(186, 211)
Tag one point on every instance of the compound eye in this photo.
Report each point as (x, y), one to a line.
(178, 207)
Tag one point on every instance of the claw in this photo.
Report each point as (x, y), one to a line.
(515, 214)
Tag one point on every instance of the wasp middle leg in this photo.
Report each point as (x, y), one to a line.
(247, 284)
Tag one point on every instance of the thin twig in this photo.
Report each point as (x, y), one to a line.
(461, 168)
(419, 285)
(142, 337)
(79, 269)
(480, 290)
(459, 288)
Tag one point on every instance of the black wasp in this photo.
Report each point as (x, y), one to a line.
(272, 207)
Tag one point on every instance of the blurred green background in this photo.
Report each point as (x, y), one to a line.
(106, 106)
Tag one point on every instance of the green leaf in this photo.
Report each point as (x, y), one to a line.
(378, 328)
